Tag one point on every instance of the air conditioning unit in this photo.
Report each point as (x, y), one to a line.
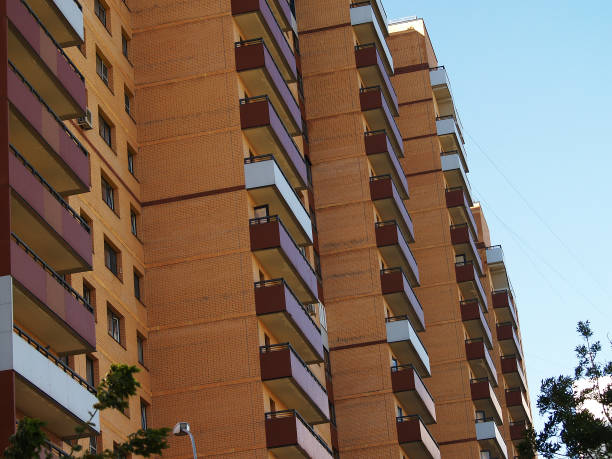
(85, 122)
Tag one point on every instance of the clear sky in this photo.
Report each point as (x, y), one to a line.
(532, 84)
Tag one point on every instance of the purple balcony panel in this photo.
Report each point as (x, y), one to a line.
(461, 235)
(288, 430)
(373, 99)
(504, 306)
(508, 340)
(368, 56)
(382, 189)
(401, 297)
(389, 237)
(60, 302)
(457, 198)
(466, 274)
(475, 323)
(415, 438)
(378, 146)
(410, 390)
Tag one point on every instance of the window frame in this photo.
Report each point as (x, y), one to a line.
(108, 193)
(103, 69)
(105, 129)
(101, 12)
(114, 324)
(110, 249)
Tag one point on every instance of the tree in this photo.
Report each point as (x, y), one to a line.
(113, 392)
(572, 428)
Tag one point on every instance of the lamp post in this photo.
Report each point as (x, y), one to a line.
(181, 429)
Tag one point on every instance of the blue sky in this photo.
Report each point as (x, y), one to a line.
(531, 81)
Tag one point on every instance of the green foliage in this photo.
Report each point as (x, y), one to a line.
(570, 429)
(113, 392)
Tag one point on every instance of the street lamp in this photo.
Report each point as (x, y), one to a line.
(181, 429)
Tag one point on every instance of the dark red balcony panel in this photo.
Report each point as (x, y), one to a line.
(290, 379)
(412, 393)
(508, 340)
(282, 313)
(518, 431)
(45, 220)
(384, 160)
(401, 298)
(517, 405)
(462, 239)
(513, 372)
(288, 435)
(261, 75)
(38, 133)
(256, 20)
(389, 204)
(37, 55)
(266, 132)
(395, 250)
(415, 439)
(459, 208)
(480, 360)
(469, 283)
(475, 323)
(374, 73)
(45, 304)
(484, 399)
(280, 256)
(378, 115)
(504, 306)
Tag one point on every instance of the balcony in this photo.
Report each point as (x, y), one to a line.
(369, 23)
(459, 208)
(504, 306)
(455, 172)
(412, 393)
(389, 204)
(289, 378)
(415, 439)
(34, 51)
(443, 94)
(289, 436)
(384, 160)
(508, 341)
(41, 217)
(474, 322)
(449, 134)
(260, 75)
(513, 372)
(495, 260)
(53, 451)
(379, 117)
(480, 360)
(469, 283)
(462, 239)
(256, 20)
(282, 313)
(266, 132)
(484, 399)
(373, 73)
(280, 256)
(43, 139)
(62, 18)
(517, 405)
(267, 185)
(518, 431)
(490, 439)
(394, 249)
(400, 297)
(407, 345)
(47, 306)
(45, 388)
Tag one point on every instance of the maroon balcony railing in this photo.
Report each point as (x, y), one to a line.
(400, 296)
(469, 283)
(504, 306)
(461, 236)
(372, 99)
(395, 250)
(518, 430)
(281, 311)
(517, 404)
(508, 340)
(415, 438)
(384, 159)
(412, 392)
(261, 74)
(288, 376)
(289, 431)
(368, 57)
(475, 322)
(269, 233)
(484, 398)
(459, 207)
(389, 203)
(513, 372)
(480, 360)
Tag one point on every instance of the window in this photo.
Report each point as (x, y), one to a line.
(89, 222)
(460, 259)
(111, 258)
(137, 281)
(114, 325)
(93, 445)
(108, 194)
(100, 11)
(89, 294)
(102, 69)
(129, 101)
(140, 344)
(90, 371)
(272, 406)
(105, 131)
(143, 414)
(125, 42)
(130, 159)
(480, 415)
(134, 222)
(400, 412)
(394, 362)
(261, 211)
